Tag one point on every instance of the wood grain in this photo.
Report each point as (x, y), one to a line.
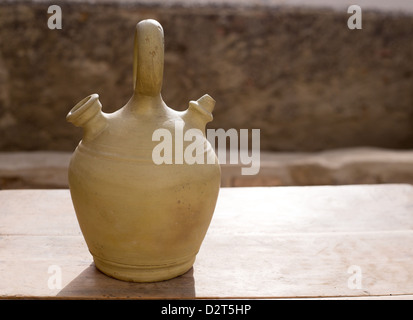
(274, 242)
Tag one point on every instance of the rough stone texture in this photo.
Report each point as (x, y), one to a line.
(34, 170)
(44, 170)
(333, 167)
(300, 75)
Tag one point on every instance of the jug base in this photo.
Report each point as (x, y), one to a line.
(142, 273)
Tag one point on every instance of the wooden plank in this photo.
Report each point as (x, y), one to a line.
(305, 265)
(293, 242)
(37, 212)
(259, 209)
(314, 209)
(32, 276)
(260, 267)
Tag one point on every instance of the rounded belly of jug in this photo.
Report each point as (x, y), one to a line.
(142, 221)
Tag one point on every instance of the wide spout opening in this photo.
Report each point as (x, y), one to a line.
(84, 110)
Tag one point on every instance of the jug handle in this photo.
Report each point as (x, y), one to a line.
(148, 58)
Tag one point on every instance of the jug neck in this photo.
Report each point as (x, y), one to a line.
(145, 104)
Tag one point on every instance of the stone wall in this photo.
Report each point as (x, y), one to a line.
(299, 74)
(48, 170)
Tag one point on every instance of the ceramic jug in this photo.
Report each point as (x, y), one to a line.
(142, 220)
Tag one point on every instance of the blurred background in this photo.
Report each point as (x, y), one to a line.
(334, 105)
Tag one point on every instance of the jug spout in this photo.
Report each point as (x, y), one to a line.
(199, 112)
(88, 115)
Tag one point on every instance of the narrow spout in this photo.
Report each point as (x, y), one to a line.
(199, 112)
(88, 115)
(204, 105)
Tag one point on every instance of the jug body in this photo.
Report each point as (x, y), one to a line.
(142, 220)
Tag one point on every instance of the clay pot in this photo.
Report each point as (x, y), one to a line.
(143, 221)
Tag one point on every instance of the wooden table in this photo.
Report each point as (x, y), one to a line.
(275, 242)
